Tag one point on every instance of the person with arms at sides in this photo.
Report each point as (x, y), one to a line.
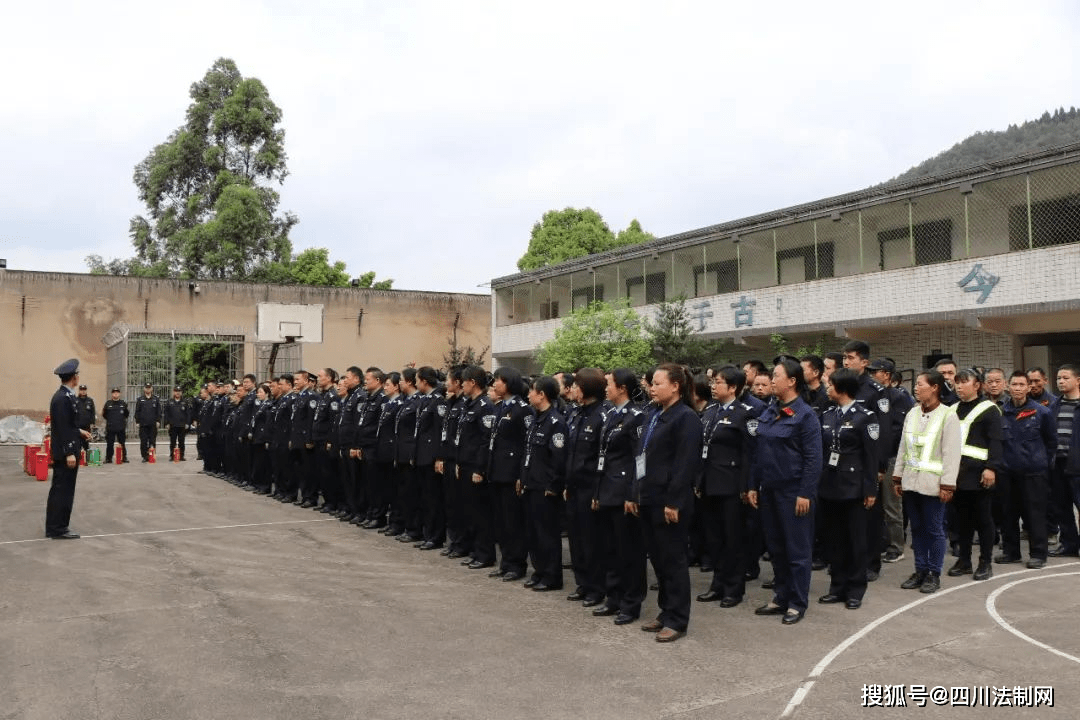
(367, 442)
(507, 450)
(667, 464)
(787, 469)
(406, 489)
(702, 399)
(1037, 389)
(176, 421)
(324, 434)
(980, 463)
(259, 433)
(385, 452)
(280, 458)
(619, 543)
(428, 442)
(353, 510)
(849, 487)
(148, 418)
(995, 386)
(723, 484)
(86, 411)
(115, 411)
(1065, 486)
(67, 440)
(541, 485)
(1030, 442)
(459, 533)
(817, 396)
(925, 474)
(473, 447)
(891, 506)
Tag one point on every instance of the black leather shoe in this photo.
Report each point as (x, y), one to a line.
(710, 596)
(830, 599)
(984, 572)
(454, 555)
(496, 573)
(65, 536)
(770, 609)
(1060, 551)
(477, 565)
(428, 545)
(605, 611)
(818, 564)
(769, 584)
(624, 619)
(960, 567)
(445, 552)
(543, 587)
(1004, 559)
(791, 617)
(307, 504)
(931, 584)
(468, 560)
(853, 604)
(730, 602)
(915, 581)
(531, 583)
(406, 538)
(591, 602)
(1036, 563)
(512, 576)
(576, 596)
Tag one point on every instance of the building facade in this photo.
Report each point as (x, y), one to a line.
(981, 265)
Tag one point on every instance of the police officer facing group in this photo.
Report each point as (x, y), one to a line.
(116, 413)
(148, 418)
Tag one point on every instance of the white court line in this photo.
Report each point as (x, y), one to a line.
(804, 688)
(174, 530)
(991, 607)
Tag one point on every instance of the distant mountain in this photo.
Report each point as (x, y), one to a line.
(1060, 128)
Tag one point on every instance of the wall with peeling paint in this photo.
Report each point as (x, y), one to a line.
(46, 318)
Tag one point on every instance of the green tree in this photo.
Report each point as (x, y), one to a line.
(565, 234)
(311, 267)
(781, 345)
(601, 335)
(633, 235)
(367, 280)
(200, 362)
(672, 339)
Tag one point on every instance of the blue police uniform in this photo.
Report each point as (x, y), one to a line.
(542, 483)
(1029, 441)
(507, 448)
(66, 442)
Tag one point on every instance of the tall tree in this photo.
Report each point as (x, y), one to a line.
(601, 335)
(209, 188)
(633, 235)
(563, 235)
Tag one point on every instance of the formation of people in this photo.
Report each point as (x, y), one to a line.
(817, 463)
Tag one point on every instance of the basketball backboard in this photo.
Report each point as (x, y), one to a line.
(279, 323)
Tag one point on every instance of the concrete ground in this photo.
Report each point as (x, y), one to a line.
(188, 598)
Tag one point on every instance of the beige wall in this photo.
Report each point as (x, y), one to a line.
(46, 318)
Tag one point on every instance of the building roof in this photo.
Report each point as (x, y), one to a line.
(878, 194)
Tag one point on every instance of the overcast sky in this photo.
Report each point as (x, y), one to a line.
(425, 138)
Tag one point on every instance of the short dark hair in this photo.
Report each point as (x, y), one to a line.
(394, 377)
(943, 362)
(377, 373)
(733, 376)
(1037, 370)
(815, 362)
(845, 382)
(547, 386)
(858, 347)
(624, 378)
(836, 357)
(287, 377)
(331, 373)
(475, 373)
(1070, 368)
(511, 376)
(1019, 373)
(758, 366)
(591, 383)
(428, 375)
(252, 378)
(355, 371)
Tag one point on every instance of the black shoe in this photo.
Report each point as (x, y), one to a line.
(730, 602)
(1060, 551)
(818, 564)
(853, 604)
(428, 545)
(531, 583)
(1004, 559)
(769, 584)
(544, 587)
(654, 586)
(871, 576)
(512, 576)
(327, 510)
(477, 565)
(710, 596)
(576, 596)
(445, 552)
(126, 460)
(390, 532)
(960, 567)
(496, 573)
(108, 461)
(404, 537)
(707, 568)
(791, 617)
(770, 609)
(624, 619)
(454, 555)
(1036, 563)
(307, 504)
(469, 560)
(915, 581)
(955, 547)
(985, 571)
(605, 611)
(752, 574)
(66, 535)
(931, 584)
(830, 599)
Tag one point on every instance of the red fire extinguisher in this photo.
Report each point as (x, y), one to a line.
(153, 456)
(119, 453)
(82, 458)
(176, 454)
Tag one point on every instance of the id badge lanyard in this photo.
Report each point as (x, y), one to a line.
(645, 446)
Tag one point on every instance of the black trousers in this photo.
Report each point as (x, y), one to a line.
(432, 505)
(177, 436)
(115, 437)
(544, 540)
(846, 532)
(666, 544)
(350, 481)
(621, 549)
(1025, 496)
(587, 576)
(307, 473)
(875, 530)
(753, 540)
(61, 497)
(404, 509)
(458, 530)
(283, 471)
(722, 521)
(1062, 501)
(329, 473)
(477, 499)
(260, 466)
(85, 441)
(698, 547)
(147, 440)
(508, 518)
(973, 512)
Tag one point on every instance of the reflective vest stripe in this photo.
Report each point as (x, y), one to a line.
(922, 460)
(974, 451)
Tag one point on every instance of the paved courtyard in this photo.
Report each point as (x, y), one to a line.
(188, 598)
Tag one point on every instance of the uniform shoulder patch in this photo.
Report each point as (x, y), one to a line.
(752, 426)
(558, 440)
(873, 430)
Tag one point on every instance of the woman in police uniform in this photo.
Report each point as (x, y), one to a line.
(848, 489)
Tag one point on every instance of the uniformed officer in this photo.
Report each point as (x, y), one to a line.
(260, 432)
(354, 510)
(787, 469)
(148, 418)
(385, 452)
(507, 448)
(980, 463)
(892, 508)
(280, 454)
(203, 426)
(177, 418)
(115, 411)
(86, 413)
(427, 432)
(197, 403)
(620, 544)
(367, 441)
(473, 447)
(542, 482)
(301, 445)
(723, 484)
(817, 395)
(1029, 441)
(459, 533)
(406, 480)
(323, 434)
(848, 488)
(66, 437)
(582, 474)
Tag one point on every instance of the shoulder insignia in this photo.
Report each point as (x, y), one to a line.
(873, 430)
(751, 426)
(558, 440)
(883, 404)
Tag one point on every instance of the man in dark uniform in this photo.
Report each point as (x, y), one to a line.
(428, 443)
(367, 441)
(86, 412)
(323, 428)
(406, 480)
(542, 484)
(582, 455)
(459, 534)
(473, 448)
(115, 411)
(816, 396)
(280, 460)
(301, 446)
(177, 417)
(354, 509)
(205, 427)
(195, 412)
(892, 508)
(148, 418)
(65, 450)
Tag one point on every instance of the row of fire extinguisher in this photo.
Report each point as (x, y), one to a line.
(37, 459)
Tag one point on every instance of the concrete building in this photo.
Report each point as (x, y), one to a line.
(981, 265)
(126, 331)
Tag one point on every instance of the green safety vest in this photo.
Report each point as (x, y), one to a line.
(973, 451)
(920, 446)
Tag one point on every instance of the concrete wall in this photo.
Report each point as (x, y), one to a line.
(46, 318)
